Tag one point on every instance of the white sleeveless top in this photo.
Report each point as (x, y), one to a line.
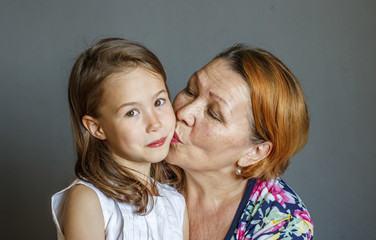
(165, 221)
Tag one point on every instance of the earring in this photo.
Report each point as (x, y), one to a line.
(238, 171)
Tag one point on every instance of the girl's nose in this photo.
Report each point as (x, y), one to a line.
(153, 123)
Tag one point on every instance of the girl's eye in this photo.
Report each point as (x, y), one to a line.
(214, 115)
(132, 113)
(159, 102)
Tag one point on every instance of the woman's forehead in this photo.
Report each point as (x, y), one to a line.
(218, 76)
(216, 82)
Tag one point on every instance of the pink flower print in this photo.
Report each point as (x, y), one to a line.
(272, 191)
(241, 231)
(277, 226)
(279, 195)
(303, 215)
(259, 186)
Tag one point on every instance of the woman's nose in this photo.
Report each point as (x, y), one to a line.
(187, 113)
(153, 123)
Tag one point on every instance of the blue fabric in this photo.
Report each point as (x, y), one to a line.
(270, 210)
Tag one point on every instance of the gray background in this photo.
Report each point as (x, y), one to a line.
(329, 45)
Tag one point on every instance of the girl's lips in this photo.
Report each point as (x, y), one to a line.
(157, 143)
(175, 138)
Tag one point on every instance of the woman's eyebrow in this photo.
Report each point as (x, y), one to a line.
(194, 79)
(219, 99)
(198, 81)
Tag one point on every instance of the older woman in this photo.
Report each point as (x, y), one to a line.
(239, 121)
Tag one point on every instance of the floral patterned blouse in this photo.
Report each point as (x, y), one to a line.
(270, 210)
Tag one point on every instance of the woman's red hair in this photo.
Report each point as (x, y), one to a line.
(280, 113)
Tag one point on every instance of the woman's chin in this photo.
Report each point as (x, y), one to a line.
(173, 156)
(170, 159)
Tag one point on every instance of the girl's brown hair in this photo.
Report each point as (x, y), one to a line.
(94, 160)
(280, 112)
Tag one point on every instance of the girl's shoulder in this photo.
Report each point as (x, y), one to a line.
(80, 189)
(172, 198)
(83, 213)
(171, 195)
(76, 202)
(81, 193)
(168, 190)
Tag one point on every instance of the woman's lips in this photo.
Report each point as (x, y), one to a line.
(175, 138)
(157, 143)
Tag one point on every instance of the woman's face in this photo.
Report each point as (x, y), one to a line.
(213, 120)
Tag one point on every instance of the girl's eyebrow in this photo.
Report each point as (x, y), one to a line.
(158, 93)
(133, 103)
(125, 105)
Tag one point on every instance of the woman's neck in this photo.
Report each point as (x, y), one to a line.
(213, 187)
(212, 200)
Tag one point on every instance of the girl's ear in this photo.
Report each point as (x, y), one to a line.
(93, 127)
(255, 154)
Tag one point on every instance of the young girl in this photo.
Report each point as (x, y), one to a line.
(123, 123)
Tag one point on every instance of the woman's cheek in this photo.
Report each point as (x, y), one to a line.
(206, 135)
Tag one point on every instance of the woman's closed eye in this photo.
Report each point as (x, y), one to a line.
(132, 113)
(189, 92)
(214, 115)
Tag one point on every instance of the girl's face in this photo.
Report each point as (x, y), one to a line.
(213, 121)
(136, 118)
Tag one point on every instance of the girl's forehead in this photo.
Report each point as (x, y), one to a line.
(131, 72)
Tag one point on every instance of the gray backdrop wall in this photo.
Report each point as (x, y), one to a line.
(328, 44)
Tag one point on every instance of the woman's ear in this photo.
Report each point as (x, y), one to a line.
(93, 127)
(255, 154)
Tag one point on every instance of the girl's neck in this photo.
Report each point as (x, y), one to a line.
(140, 169)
